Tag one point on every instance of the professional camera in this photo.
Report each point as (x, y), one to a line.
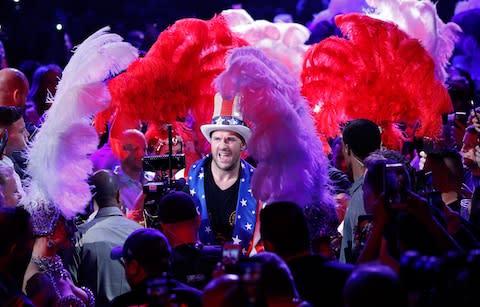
(162, 168)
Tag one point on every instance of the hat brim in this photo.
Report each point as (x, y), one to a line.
(116, 253)
(243, 131)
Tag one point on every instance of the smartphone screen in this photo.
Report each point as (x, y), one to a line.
(231, 253)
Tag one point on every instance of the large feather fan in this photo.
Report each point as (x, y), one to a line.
(377, 72)
(291, 164)
(463, 6)
(419, 19)
(336, 7)
(58, 161)
(174, 76)
(284, 42)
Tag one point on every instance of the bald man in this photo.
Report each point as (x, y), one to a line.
(130, 170)
(13, 88)
(89, 262)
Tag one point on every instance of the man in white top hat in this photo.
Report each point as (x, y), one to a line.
(221, 181)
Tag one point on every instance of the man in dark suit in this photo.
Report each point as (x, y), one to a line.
(90, 265)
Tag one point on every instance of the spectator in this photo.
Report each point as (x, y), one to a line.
(16, 243)
(13, 139)
(374, 285)
(13, 88)
(44, 85)
(360, 138)
(8, 187)
(284, 231)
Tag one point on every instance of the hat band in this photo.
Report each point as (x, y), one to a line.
(227, 121)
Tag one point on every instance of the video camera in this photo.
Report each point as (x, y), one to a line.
(163, 182)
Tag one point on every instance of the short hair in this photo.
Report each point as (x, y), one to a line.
(8, 116)
(375, 164)
(105, 186)
(374, 285)
(275, 279)
(15, 227)
(285, 226)
(271, 278)
(362, 136)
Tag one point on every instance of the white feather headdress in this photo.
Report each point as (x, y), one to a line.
(284, 42)
(58, 161)
(419, 19)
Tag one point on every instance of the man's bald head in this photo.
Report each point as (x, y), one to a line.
(105, 187)
(13, 88)
(134, 146)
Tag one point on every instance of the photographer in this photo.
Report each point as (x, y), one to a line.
(401, 220)
(146, 254)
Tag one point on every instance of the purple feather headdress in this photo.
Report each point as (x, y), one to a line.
(291, 163)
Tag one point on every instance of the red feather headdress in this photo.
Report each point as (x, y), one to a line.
(174, 77)
(376, 72)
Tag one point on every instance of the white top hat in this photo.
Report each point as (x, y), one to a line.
(226, 116)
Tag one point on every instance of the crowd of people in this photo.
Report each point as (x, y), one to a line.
(168, 224)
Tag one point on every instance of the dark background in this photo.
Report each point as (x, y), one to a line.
(28, 27)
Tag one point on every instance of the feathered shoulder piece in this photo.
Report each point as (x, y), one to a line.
(58, 160)
(174, 76)
(284, 42)
(375, 72)
(419, 19)
(291, 163)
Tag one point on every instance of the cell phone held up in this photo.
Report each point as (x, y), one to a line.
(394, 183)
(231, 254)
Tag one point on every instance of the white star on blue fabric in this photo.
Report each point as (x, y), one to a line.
(203, 196)
(250, 191)
(242, 180)
(193, 166)
(192, 192)
(219, 121)
(201, 175)
(208, 229)
(190, 178)
(243, 202)
(236, 240)
(248, 226)
(233, 121)
(244, 251)
(239, 216)
(251, 170)
(253, 211)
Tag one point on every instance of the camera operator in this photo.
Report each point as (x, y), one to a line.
(401, 220)
(192, 262)
(146, 254)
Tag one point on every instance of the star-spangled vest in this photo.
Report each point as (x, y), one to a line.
(245, 209)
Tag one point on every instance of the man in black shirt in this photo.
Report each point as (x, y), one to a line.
(221, 181)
